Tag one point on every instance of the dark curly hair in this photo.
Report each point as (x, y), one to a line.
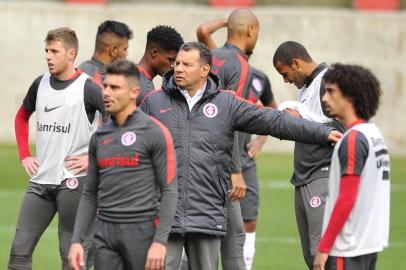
(165, 38)
(359, 85)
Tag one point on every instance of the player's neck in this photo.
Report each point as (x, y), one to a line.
(193, 90)
(238, 42)
(122, 116)
(147, 66)
(309, 67)
(349, 117)
(66, 74)
(103, 58)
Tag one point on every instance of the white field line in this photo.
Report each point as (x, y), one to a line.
(285, 184)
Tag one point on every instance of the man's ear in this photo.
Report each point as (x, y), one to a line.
(135, 92)
(153, 53)
(205, 70)
(112, 51)
(296, 64)
(72, 54)
(250, 29)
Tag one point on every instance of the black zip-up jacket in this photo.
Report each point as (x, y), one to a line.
(203, 140)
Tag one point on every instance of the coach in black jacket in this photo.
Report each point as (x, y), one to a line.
(202, 120)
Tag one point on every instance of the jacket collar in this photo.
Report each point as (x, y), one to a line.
(314, 74)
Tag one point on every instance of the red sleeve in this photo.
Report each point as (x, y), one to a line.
(21, 125)
(170, 151)
(346, 199)
(243, 76)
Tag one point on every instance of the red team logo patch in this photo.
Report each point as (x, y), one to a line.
(315, 202)
(72, 183)
(128, 138)
(210, 110)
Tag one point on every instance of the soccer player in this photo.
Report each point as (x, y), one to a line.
(111, 43)
(356, 217)
(260, 91)
(132, 169)
(66, 101)
(163, 43)
(311, 161)
(202, 120)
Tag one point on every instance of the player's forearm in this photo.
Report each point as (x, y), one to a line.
(266, 121)
(21, 125)
(85, 217)
(236, 166)
(262, 139)
(167, 211)
(205, 30)
(342, 209)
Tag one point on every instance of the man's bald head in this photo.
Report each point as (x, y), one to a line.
(243, 29)
(239, 20)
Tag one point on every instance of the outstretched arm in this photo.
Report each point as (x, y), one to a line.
(265, 121)
(205, 30)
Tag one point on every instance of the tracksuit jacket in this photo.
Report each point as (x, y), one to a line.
(203, 140)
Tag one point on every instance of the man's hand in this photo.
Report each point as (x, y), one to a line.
(255, 146)
(77, 163)
(334, 136)
(239, 188)
(320, 261)
(30, 165)
(76, 256)
(293, 112)
(156, 257)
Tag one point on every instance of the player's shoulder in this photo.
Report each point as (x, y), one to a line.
(157, 94)
(86, 65)
(106, 127)
(91, 85)
(36, 82)
(258, 73)
(225, 97)
(353, 137)
(89, 68)
(156, 127)
(223, 53)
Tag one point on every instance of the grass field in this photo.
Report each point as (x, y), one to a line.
(277, 246)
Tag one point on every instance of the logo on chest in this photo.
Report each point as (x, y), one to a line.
(210, 110)
(257, 85)
(128, 138)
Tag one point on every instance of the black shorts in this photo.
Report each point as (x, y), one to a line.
(363, 262)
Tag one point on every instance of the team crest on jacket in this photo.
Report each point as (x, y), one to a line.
(257, 85)
(315, 202)
(210, 110)
(72, 183)
(128, 138)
